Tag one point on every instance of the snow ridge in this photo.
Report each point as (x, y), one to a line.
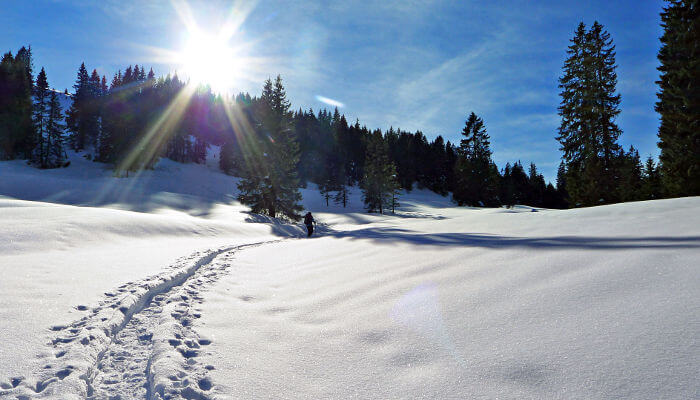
(137, 343)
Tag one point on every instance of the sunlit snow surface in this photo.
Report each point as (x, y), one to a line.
(435, 302)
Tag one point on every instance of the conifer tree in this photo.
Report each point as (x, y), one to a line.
(507, 188)
(227, 157)
(589, 105)
(55, 152)
(40, 117)
(17, 134)
(47, 118)
(449, 165)
(8, 134)
(561, 177)
(380, 184)
(342, 164)
(588, 133)
(128, 76)
(474, 171)
(116, 80)
(199, 151)
(78, 114)
(651, 181)
(341, 195)
(537, 187)
(270, 184)
(679, 98)
(630, 181)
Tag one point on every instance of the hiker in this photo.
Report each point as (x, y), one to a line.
(309, 222)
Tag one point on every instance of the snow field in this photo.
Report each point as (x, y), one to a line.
(132, 344)
(162, 286)
(537, 306)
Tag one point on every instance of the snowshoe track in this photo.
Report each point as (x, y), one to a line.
(139, 341)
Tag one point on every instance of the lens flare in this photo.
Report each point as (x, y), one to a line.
(330, 102)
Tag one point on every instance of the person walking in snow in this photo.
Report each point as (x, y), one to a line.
(309, 222)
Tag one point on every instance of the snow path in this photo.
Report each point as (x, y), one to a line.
(139, 342)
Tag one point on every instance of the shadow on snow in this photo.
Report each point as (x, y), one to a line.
(396, 235)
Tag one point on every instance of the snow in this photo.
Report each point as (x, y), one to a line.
(530, 305)
(162, 286)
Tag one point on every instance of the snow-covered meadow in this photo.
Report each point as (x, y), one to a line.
(162, 286)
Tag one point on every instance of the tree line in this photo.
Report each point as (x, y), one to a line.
(138, 118)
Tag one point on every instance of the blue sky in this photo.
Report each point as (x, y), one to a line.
(417, 65)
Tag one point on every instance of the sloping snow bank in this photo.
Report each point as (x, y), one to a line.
(56, 257)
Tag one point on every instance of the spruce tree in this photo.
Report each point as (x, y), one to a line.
(537, 187)
(40, 117)
(475, 181)
(507, 188)
(270, 184)
(328, 176)
(679, 98)
(589, 105)
(78, 114)
(380, 184)
(651, 181)
(7, 133)
(561, 177)
(227, 157)
(630, 181)
(17, 134)
(55, 152)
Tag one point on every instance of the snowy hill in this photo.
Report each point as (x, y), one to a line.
(163, 286)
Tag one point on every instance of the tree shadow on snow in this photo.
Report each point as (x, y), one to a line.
(395, 235)
(277, 226)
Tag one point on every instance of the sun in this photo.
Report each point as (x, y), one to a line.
(210, 60)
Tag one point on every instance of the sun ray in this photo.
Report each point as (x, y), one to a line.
(244, 133)
(184, 12)
(237, 16)
(159, 132)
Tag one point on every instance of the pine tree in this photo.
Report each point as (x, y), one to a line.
(588, 133)
(679, 98)
(474, 171)
(270, 184)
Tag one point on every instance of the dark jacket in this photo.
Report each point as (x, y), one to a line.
(308, 219)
